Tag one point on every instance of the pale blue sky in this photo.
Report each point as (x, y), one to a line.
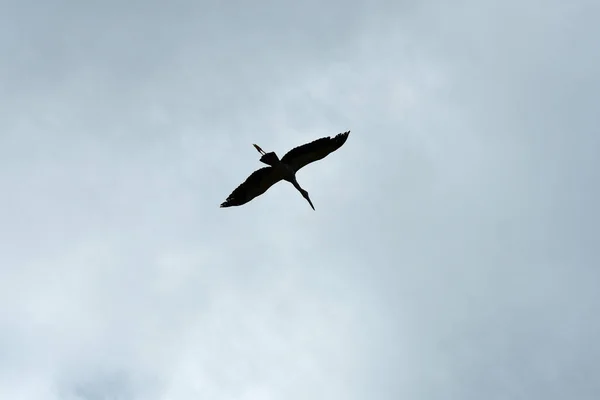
(453, 251)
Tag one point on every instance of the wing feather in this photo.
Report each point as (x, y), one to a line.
(256, 184)
(303, 155)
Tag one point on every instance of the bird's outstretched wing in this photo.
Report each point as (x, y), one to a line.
(303, 155)
(256, 184)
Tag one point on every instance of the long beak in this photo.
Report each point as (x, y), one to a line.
(261, 151)
(309, 202)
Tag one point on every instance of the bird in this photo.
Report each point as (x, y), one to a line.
(285, 169)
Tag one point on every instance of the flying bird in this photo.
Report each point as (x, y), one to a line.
(285, 169)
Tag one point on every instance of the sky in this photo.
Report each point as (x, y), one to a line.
(453, 252)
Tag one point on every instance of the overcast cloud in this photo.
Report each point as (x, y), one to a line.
(453, 253)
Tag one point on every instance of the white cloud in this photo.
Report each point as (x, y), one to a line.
(451, 252)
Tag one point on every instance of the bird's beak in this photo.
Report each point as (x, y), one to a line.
(259, 149)
(309, 202)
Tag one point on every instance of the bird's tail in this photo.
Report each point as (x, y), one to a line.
(270, 159)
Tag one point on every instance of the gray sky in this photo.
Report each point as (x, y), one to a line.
(453, 252)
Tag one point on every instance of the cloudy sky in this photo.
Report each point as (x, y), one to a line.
(453, 252)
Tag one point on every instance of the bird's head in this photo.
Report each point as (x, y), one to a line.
(305, 195)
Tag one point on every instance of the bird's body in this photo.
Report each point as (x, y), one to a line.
(285, 169)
